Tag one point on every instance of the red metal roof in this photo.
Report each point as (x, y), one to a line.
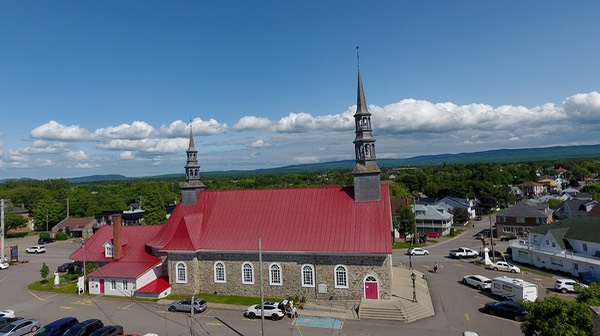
(136, 258)
(318, 220)
(156, 286)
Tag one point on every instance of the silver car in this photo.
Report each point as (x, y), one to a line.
(186, 305)
(20, 327)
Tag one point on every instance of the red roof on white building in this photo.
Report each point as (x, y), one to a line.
(136, 258)
(316, 220)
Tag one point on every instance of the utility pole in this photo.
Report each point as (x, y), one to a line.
(492, 240)
(262, 302)
(2, 255)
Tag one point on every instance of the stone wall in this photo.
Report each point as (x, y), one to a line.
(200, 269)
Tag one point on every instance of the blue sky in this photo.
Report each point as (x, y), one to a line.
(110, 87)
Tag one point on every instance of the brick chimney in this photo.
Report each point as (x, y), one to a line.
(117, 237)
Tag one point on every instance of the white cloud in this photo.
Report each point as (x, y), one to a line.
(126, 155)
(137, 130)
(258, 143)
(251, 123)
(55, 131)
(179, 128)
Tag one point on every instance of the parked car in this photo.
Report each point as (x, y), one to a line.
(507, 238)
(20, 327)
(109, 330)
(58, 327)
(66, 267)
(568, 285)
(270, 311)
(186, 305)
(36, 249)
(507, 308)
(496, 254)
(46, 240)
(433, 235)
(6, 320)
(417, 251)
(7, 313)
(4, 265)
(84, 328)
(478, 281)
(504, 266)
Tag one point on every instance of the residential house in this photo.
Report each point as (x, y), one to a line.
(322, 243)
(522, 217)
(532, 189)
(75, 227)
(431, 218)
(575, 207)
(571, 246)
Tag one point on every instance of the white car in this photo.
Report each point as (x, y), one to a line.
(417, 251)
(3, 265)
(270, 311)
(7, 313)
(36, 249)
(478, 281)
(568, 285)
(504, 266)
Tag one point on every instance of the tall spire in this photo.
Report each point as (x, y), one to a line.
(192, 184)
(367, 185)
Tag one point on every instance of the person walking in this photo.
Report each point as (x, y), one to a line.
(294, 312)
(435, 267)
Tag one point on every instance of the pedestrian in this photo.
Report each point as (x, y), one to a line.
(435, 267)
(294, 313)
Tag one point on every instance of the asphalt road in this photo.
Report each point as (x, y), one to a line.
(457, 306)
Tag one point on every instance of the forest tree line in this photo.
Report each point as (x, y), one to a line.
(49, 200)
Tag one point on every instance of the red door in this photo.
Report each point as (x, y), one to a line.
(371, 290)
(101, 286)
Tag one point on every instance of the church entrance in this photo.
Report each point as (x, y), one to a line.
(371, 288)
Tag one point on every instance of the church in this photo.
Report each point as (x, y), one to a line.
(325, 243)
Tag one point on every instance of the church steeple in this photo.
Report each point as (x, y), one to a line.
(367, 185)
(192, 184)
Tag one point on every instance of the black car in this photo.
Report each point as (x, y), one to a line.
(45, 240)
(66, 267)
(507, 308)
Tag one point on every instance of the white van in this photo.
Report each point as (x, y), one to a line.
(514, 289)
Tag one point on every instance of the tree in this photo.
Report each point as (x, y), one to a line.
(557, 317)
(47, 212)
(155, 209)
(460, 215)
(14, 221)
(44, 271)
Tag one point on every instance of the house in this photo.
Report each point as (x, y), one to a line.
(324, 243)
(76, 227)
(431, 218)
(571, 246)
(532, 189)
(522, 217)
(575, 207)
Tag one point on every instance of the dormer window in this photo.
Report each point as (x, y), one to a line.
(108, 250)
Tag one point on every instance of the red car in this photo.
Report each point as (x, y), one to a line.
(433, 235)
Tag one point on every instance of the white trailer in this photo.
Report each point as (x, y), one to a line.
(514, 289)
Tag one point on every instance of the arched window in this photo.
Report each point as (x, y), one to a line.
(341, 276)
(275, 275)
(108, 250)
(308, 276)
(181, 270)
(247, 273)
(220, 272)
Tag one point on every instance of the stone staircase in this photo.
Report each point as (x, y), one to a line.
(381, 311)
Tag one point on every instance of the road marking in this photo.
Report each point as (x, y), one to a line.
(214, 324)
(37, 297)
(466, 316)
(2, 279)
(127, 307)
(66, 307)
(86, 302)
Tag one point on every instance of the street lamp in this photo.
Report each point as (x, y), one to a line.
(413, 277)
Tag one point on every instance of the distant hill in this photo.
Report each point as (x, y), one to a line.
(498, 155)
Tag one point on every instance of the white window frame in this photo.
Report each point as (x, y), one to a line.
(113, 284)
(125, 284)
(309, 271)
(108, 250)
(216, 267)
(340, 278)
(180, 266)
(276, 280)
(246, 281)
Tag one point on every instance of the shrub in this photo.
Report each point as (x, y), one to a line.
(62, 236)
(16, 235)
(45, 234)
